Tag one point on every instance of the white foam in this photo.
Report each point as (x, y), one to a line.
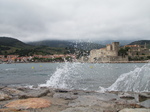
(137, 80)
(62, 77)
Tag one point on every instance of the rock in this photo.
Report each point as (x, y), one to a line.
(26, 93)
(1, 87)
(88, 101)
(62, 90)
(12, 110)
(35, 93)
(135, 110)
(29, 103)
(144, 96)
(146, 103)
(66, 96)
(4, 96)
(13, 92)
(126, 96)
(83, 109)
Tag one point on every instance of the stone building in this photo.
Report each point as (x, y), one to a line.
(135, 50)
(108, 54)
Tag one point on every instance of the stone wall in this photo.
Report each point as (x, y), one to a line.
(108, 54)
(111, 59)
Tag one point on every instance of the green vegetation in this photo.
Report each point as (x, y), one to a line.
(123, 51)
(11, 46)
(141, 42)
(138, 58)
(67, 44)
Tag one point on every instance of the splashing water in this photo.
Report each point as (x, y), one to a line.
(137, 80)
(64, 76)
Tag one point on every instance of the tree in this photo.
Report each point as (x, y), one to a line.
(123, 52)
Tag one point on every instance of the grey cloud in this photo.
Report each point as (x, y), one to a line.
(75, 19)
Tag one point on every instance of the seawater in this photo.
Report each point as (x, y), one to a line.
(84, 76)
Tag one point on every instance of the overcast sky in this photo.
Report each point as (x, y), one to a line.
(31, 20)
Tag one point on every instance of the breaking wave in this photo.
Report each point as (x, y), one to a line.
(137, 80)
(64, 77)
(72, 76)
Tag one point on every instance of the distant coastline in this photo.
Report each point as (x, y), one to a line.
(147, 61)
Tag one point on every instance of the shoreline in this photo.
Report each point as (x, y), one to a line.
(63, 100)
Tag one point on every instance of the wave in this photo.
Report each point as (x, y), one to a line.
(71, 76)
(137, 80)
(64, 77)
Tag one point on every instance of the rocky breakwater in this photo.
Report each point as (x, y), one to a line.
(20, 99)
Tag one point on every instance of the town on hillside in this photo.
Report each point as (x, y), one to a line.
(111, 53)
(36, 58)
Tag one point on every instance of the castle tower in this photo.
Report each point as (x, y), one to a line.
(109, 47)
(115, 48)
(145, 46)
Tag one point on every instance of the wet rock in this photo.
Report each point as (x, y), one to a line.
(146, 103)
(4, 96)
(13, 92)
(110, 111)
(35, 93)
(144, 95)
(29, 103)
(83, 109)
(135, 110)
(1, 87)
(66, 96)
(128, 103)
(134, 105)
(62, 90)
(12, 110)
(88, 100)
(126, 96)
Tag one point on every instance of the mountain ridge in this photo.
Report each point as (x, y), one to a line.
(141, 42)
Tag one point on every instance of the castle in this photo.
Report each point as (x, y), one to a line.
(111, 53)
(108, 54)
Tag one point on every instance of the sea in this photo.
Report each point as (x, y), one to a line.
(100, 77)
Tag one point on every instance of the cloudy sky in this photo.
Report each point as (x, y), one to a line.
(30, 20)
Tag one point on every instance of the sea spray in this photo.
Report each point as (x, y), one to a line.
(65, 76)
(137, 80)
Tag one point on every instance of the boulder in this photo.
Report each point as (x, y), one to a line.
(135, 110)
(4, 96)
(126, 96)
(12, 110)
(13, 92)
(34, 93)
(144, 95)
(62, 90)
(145, 103)
(1, 87)
(66, 96)
(33, 103)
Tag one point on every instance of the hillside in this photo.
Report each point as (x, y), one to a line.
(88, 45)
(12, 46)
(51, 43)
(141, 42)
(12, 42)
(67, 44)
